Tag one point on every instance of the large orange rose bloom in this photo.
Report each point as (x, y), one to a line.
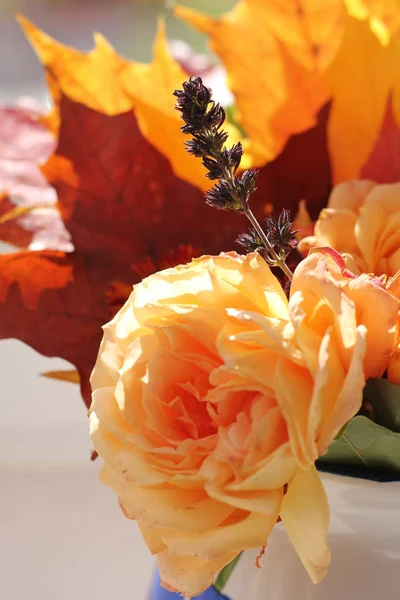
(361, 221)
(212, 398)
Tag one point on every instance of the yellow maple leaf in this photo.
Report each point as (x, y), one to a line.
(310, 30)
(360, 78)
(106, 82)
(72, 375)
(150, 88)
(383, 16)
(274, 53)
(89, 78)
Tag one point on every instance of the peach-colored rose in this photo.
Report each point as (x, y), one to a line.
(213, 396)
(323, 278)
(362, 221)
(393, 373)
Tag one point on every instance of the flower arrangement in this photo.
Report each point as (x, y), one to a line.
(224, 381)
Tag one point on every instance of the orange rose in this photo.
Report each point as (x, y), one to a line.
(326, 284)
(393, 372)
(362, 221)
(212, 398)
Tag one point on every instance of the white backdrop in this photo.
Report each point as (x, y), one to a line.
(63, 536)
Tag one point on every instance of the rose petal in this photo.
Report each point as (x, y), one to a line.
(378, 311)
(335, 228)
(190, 575)
(165, 506)
(305, 515)
(293, 387)
(348, 400)
(249, 531)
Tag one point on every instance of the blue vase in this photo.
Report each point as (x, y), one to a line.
(159, 593)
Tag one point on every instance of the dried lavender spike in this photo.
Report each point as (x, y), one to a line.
(203, 119)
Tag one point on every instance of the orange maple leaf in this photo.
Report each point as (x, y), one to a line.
(287, 58)
(274, 53)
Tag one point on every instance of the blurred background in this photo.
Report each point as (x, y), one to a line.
(128, 24)
(63, 535)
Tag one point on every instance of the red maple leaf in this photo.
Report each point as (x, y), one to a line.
(28, 212)
(121, 202)
(383, 164)
(123, 206)
(300, 172)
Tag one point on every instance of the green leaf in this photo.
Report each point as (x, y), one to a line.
(223, 576)
(339, 435)
(365, 444)
(385, 400)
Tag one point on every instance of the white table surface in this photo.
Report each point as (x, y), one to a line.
(63, 536)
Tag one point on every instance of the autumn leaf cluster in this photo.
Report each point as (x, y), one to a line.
(317, 95)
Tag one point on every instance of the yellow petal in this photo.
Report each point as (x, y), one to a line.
(328, 383)
(271, 473)
(152, 537)
(349, 398)
(248, 532)
(378, 227)
(335, 228)
(240, 344)
(121, 458)
(305, 245)
(378, 311)
(318, 301)
(190, 575)
(166, 507)
(305, 515)
(350, 195)
(293, 389)
(255, 282)
(188, 561)
(262, 502)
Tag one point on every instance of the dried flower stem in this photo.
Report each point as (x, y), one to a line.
(279, 262)
(203, 120)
